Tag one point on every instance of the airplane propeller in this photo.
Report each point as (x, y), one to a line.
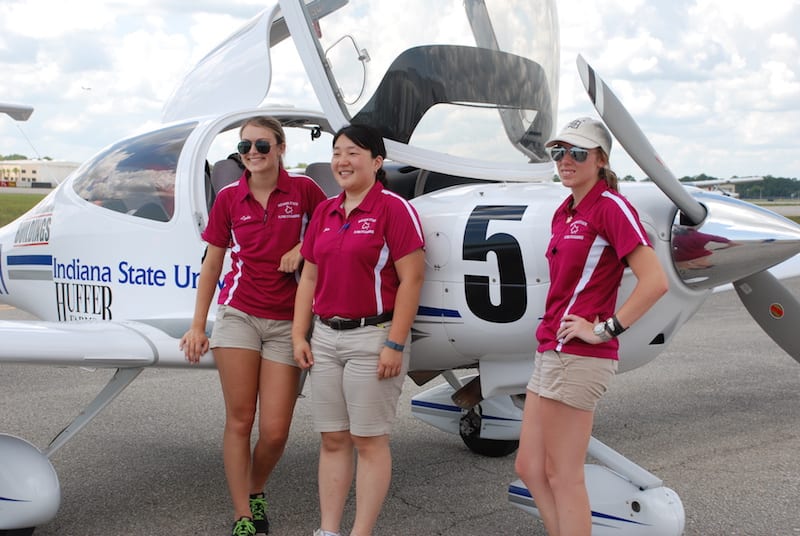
(630, 136)
(773, 307)
(768, 301)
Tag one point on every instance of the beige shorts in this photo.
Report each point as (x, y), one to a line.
(345, 390)
(575, 380)
(236, 329)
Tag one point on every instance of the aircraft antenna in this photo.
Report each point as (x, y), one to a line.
(38, 156)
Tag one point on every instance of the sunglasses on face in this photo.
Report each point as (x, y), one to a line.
(262, 146)
(577, 153)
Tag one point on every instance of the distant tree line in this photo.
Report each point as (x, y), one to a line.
(19, 157)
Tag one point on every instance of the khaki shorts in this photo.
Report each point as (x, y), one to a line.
(345, 390)
(236, 329)
(575, 380)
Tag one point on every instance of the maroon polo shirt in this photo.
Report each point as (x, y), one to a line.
(586, 258)
(355, 255)
(258, 238)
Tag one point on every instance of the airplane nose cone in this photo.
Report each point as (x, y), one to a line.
(736, 240)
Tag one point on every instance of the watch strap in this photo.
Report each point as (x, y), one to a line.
(615, 328)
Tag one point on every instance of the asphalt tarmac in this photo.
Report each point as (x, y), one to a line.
(717, 416)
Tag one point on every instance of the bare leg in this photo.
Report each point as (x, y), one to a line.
(530, 463)
(335, 477)
(565, 443)
(238, 373)
(373, 474)
(277, 396)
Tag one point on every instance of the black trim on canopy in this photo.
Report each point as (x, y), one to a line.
(424, 76)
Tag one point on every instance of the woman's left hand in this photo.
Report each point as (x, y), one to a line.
(290, 261)
(573, 326)
(390, 363)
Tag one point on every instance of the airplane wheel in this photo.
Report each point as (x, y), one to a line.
(470, 429)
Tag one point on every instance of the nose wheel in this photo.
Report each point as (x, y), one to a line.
(470, 432)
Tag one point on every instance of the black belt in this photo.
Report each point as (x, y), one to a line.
(352, 323)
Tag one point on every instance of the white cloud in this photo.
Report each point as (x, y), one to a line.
(714, 84)
(711, 82)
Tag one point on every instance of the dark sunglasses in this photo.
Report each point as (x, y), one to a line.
(577, 153)
(262, 146)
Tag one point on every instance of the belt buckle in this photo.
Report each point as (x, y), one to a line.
(338, 323)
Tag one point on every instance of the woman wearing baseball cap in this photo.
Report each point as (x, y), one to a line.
(596, 233)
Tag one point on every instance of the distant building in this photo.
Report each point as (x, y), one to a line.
(34, 173)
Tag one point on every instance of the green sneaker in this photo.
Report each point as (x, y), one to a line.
(258, 507)
(244, 527)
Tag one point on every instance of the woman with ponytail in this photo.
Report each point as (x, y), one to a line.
(596, 233)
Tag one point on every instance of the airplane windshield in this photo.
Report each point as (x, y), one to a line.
(136, 176)
(471, 78)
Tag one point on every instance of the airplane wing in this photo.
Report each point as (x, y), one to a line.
(19, 112)
(716, 182)
(90, 343)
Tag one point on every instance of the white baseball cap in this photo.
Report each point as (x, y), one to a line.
(584, 132)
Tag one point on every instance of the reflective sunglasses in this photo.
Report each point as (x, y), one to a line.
(262, 146)
(577, 153)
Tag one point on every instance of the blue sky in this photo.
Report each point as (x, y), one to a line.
(715, 85)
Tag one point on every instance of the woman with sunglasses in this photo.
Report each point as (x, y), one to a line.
(596, 233)
(262, 218)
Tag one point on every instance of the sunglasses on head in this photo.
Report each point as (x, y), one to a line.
(577, 153)
(262, 146)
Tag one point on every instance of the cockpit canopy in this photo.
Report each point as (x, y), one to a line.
(474, 80)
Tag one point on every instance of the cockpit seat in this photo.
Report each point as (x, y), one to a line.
(323, 175)
(226, 171)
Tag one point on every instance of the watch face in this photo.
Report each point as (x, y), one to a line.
(599, 329)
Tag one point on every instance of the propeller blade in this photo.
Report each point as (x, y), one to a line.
(774, 308)
(630, 136)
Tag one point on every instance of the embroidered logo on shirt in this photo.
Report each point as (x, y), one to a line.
(576, 230)
(245, 218)
(289, 208)
(365, 226)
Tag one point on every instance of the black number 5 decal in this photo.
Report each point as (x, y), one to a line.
(513, 294)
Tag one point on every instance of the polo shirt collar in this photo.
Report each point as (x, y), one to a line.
(243, 190)
(372, 197)
(589, 200)
(367, 204)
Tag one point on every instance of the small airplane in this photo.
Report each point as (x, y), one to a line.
(715, 185)
(109, 260)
